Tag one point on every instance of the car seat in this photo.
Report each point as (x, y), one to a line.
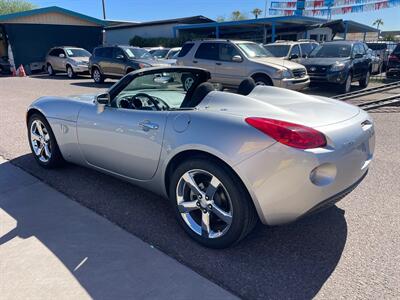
(198, 95)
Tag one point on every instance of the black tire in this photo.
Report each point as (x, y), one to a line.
(244, 215)
(263, 80)
(50, 70)
(365, 81)
(97, 77)
(70, 72)
(56, 159)
(346, 87)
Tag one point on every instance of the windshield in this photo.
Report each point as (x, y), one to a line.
(253, 50)
(331, 50)
(172, 53)
(71, 52)
(137, 53)
(159, 53)
(278, 50)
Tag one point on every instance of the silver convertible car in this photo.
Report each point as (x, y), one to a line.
(225, 160)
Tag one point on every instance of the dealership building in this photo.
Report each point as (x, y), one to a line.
(26, 37)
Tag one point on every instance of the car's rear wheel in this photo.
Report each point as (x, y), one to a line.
(97, 76)
(263, 80)
(50, 70)
(43, 142)
(365, 81)
(70, 72)
(211, 203)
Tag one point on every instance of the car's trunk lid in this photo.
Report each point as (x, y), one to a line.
(281, 104)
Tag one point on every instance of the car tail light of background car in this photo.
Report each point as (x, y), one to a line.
(393, 57)
(290, 134)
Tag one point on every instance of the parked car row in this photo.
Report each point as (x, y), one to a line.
(288, 64)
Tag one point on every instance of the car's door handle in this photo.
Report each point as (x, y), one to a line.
(195, 61)
(218, 63)
(147, 125)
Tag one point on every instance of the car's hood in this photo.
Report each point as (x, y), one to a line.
(86, 98)
(149, 61)
(281, 104)
(278, 62)
(171, 61)
(80, 59)
(314, 61)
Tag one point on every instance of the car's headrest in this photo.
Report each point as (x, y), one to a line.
(198, 95)
(246, 86)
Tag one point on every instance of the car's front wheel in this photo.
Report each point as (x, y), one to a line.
(346, 86)
(43, 142)
(365, 81)
(70, 72)
(50, 70)
(211, 203)
(97, 76)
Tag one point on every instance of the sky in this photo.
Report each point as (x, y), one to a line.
(150, 10)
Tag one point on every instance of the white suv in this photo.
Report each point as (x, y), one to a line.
(229, 62)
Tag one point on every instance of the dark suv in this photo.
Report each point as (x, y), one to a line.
(339, 62)
(116, 61)
(393, 67)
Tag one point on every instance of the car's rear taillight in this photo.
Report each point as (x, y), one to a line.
(290, 134)
(393, 57)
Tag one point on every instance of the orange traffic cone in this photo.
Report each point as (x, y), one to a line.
(21, 71)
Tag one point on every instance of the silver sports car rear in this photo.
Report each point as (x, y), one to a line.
(224, 160)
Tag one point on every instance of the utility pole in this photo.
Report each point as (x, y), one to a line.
(104, 9)
(266, 7)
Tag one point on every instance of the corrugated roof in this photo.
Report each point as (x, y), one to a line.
(51, 9)
(188, 20)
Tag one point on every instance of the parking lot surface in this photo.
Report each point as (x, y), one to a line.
(348, 251)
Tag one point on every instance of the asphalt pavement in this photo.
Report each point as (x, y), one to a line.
(348, 251)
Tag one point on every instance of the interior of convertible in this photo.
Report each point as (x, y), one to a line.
(164, 90)
(171, 89)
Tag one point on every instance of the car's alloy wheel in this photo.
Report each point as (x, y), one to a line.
(204, 203)
(70, 72)
(365, 81)
(188, 83)
(50, 70)
(210, 202)
(43, 143)
(347, 84)
(40, 141)
(97, 76)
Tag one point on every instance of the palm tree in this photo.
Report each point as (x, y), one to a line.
(256, 12)
(236, 15)
(377, 23)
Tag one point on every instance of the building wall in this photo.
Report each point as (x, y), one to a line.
(123, 35)
(51, 18)
(31, 42)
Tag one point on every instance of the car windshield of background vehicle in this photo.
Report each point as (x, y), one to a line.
(333, 50)
(278, 50)
(253, 50)
(77, 52)
(137, 53)
(307, 48)
(160, 53)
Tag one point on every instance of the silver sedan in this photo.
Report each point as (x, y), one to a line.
(224, 160)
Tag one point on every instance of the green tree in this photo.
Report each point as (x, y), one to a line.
(377, 23)
(13, 6)
(238, 15)
(256, 12)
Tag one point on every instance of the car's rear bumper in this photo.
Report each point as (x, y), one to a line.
(287, 183)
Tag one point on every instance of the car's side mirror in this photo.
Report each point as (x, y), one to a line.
(237, 58)
(293, 56)
(103, 99)
(62, 55)
(358, 55)
(120, 57)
